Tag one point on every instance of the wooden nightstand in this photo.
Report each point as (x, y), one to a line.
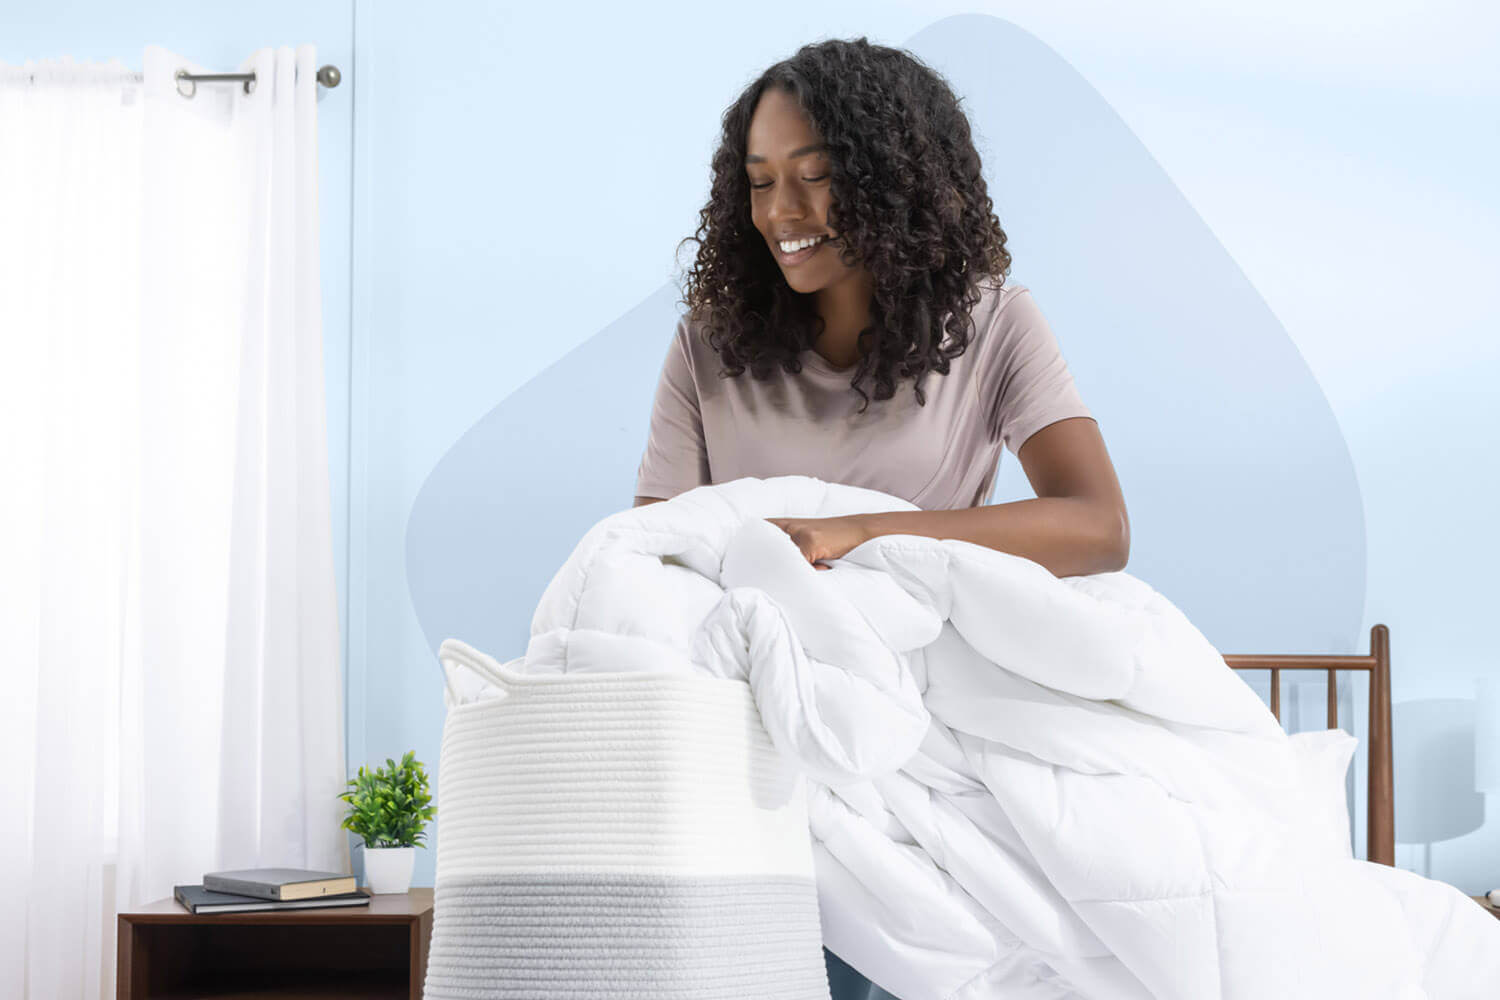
(377, 951)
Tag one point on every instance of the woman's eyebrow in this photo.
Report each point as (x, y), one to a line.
(816, 148)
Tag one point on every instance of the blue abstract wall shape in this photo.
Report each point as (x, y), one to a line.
(502, 509)
(1244, 507)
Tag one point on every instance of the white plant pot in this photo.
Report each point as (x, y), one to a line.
(388, 869)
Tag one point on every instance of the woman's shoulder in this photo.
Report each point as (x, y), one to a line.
(692, 337)
(995, 295)
(1003, 307)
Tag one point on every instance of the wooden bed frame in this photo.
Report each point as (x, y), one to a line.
(1381, 822)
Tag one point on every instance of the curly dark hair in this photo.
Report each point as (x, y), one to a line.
(909, 202)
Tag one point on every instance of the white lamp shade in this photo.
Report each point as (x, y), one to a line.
(1487, 736)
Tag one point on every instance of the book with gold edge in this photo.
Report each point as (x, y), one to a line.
(280, 883)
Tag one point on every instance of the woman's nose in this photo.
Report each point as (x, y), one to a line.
(785, 204)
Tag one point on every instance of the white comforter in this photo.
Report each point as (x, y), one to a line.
(1022, 786)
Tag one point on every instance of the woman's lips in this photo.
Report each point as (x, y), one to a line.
(793, 259)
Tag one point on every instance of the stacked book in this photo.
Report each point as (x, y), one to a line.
(269, 889)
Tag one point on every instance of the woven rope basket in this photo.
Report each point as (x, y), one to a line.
(618, 835)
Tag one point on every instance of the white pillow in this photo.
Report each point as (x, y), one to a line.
(1323, 757)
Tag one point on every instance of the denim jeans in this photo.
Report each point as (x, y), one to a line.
(845, 983)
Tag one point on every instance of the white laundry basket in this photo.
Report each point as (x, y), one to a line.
(605, 835)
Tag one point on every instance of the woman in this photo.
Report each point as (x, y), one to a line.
(849, 242)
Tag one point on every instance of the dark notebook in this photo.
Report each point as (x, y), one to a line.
(200, 900)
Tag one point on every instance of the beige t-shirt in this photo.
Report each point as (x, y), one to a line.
(1010, 382)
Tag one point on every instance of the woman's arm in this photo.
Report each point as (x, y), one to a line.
(1076, 525)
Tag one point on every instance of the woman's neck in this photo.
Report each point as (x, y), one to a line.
(845, 309)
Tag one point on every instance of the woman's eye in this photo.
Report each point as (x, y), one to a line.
(810, 180)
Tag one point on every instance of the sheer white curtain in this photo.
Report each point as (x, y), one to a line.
(168, 623)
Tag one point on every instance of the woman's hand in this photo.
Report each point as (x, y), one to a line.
(824, 537)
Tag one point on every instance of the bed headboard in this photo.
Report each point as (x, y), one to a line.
(1381, 822)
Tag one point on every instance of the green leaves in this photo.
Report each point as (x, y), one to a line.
(389, 806)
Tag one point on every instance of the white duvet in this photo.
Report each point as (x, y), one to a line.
(1020, 786)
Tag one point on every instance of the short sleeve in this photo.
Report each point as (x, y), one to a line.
(1029, 385)
(676, 458)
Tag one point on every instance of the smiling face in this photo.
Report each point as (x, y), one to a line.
(789, 174)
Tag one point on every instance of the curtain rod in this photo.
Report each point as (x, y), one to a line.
(328, 76)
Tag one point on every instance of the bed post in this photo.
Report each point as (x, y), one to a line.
(1381, 822)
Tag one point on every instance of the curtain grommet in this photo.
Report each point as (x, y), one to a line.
(192, 85)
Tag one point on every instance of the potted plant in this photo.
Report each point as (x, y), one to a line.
(388, 808)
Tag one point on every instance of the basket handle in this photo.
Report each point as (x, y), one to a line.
(455, 654)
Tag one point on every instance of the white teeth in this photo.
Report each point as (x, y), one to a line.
(793, 247)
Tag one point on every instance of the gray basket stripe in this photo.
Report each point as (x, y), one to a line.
(592, 935)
